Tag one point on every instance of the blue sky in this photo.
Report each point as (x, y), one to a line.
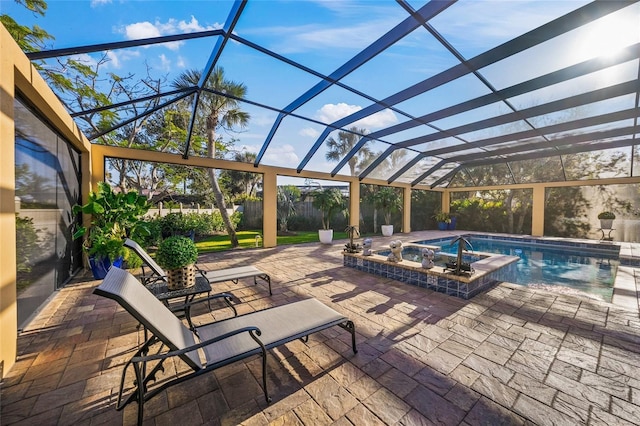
(321, 35)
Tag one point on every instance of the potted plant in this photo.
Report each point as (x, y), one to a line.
(329, 201)
(443, 219)
(453, 219)
(606, 219)
(114, 217)
(353, 232)
(389, 201)
(178, 255)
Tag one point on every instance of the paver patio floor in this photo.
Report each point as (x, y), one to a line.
(512, 355)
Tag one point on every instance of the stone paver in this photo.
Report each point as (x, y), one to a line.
(512, 355)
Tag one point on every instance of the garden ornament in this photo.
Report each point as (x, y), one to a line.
(427, 258)
(396, 251)
(366, 246)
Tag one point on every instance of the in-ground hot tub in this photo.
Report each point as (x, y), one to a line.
(488, 269)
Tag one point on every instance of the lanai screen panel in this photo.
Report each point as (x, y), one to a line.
(494, 174)
(480, 87)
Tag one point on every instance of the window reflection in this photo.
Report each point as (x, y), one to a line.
(47, 185)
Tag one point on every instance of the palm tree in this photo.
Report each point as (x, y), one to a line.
(286, 206)
(243, 182)
(337, 149)
(219, 112)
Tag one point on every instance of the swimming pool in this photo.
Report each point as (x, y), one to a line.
(576, 267)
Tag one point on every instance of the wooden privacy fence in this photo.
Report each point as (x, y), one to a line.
(252, 212)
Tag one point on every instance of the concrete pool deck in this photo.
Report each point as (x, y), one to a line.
(511, 355)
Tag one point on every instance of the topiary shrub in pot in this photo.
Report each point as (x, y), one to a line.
(178, 255)
(606, 219)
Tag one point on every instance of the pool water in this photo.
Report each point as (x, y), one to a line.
(551, 266)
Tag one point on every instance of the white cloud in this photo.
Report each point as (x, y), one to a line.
(261, 118)
(118, 57)
(181, 63)
(146, 29)
(309, 132)
(330, 113)
(165, 63)
(194, 26)
(283, 155)
(276, 155)
(348, 29)
(333, 112)
(141, 30)
(96, 3)
(113, 59)
(378, 120)
(85, 60)
(250, 148)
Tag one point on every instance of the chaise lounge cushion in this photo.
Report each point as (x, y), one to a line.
(278, 325)
(125, 289)
(217, 276)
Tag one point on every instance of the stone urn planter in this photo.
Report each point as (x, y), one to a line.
(606, 219)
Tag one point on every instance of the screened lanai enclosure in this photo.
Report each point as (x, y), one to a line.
(480, 100)
(437, 96)
(513, 117)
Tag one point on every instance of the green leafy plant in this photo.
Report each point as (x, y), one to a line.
(286, 207)
(606, 215)
(114, 216)
(389, 201)
(173, 224)
(442, 217)
(176, 252)
(329, 201)
(353, 232)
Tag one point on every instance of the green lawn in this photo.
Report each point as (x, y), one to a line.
(247, 239)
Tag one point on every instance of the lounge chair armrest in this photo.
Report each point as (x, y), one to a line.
(253, 331)
(151, 279)
(199, 270)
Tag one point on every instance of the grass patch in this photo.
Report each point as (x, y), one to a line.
(247, 239)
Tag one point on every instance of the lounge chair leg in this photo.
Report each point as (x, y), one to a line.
(187, 313)
(267, 278)
(228, 301)
(351, 328)
(141, 387)
(264, 378)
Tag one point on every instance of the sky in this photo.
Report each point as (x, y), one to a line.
(321, 35)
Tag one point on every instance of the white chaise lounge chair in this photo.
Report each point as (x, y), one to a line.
(218, 276)
(219, 343)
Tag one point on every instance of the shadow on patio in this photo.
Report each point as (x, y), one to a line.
(511, 355)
